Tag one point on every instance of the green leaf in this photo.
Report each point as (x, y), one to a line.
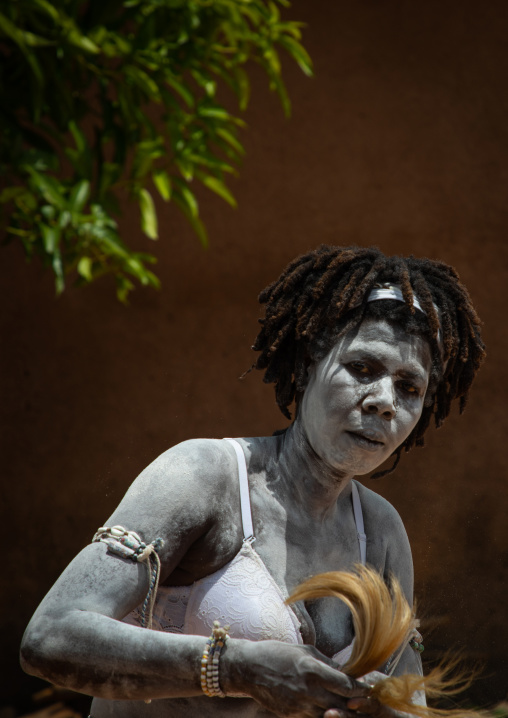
(189, 200)
(274, 12)
(58, 270)
(48, 211)
(48, 187)
(35, 40)
(181, 89)
(298, 52)
(113, 243)
(148, 214)
(205, 82)
(215, 184)
(146, 152)
(143, 81)
(217, 113)
(212, 162)
(230, 139)
(277, 85)
(85, 268)
(163, 183)
(84, 43)
(123, 287)
(242, 86)
(79, 137)
(272, 58)
(186, 168)
(50, 237)
(194, 220)
(291, 28)
(79, 196)
(64, 219)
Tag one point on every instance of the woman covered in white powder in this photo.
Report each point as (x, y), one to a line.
(370, 349)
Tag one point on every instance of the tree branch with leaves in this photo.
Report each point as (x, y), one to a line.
(103, 100)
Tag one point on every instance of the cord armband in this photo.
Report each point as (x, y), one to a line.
(129, 545)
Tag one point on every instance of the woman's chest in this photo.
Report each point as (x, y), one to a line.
(293, 551)
(325, 623)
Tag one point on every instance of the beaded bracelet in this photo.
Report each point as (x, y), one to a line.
(210, 661)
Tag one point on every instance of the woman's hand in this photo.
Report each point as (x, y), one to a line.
(288, 680)
(364, 704)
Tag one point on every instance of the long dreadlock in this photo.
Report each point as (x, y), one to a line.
(322, 295)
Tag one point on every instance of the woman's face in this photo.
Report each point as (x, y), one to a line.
(366, 396)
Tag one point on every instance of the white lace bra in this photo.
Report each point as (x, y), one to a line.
(242, 594)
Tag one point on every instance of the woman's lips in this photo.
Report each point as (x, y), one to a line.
(365, 442)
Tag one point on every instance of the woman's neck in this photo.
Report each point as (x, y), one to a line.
(309, 482)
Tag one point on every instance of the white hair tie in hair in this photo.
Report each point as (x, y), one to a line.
(393, 291)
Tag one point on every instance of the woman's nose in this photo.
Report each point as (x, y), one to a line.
(380, 398)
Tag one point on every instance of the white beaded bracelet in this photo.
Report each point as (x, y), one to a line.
(210, 684)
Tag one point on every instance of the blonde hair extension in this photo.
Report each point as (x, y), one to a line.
(383, 623)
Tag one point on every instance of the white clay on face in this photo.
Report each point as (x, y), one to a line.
(366, 396)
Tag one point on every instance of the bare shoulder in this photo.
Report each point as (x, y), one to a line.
(179, 495)
(206, 462)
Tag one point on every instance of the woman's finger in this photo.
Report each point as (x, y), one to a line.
(337, 682)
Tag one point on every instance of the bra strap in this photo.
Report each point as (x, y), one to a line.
(248, 530)
(360, 528)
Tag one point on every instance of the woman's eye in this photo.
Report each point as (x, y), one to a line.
(360, 368)
(409, 388)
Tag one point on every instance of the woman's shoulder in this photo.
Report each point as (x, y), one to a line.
(193, 459)
(379, 514)
(186, 492)
(187, 478)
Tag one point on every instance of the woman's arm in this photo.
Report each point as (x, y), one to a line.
(76, 638)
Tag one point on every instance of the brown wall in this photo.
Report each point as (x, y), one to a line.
(399, 141)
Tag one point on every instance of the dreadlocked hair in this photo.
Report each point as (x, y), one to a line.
(383, 623)
(322, 295)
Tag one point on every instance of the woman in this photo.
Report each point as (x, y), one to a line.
(369, 347)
